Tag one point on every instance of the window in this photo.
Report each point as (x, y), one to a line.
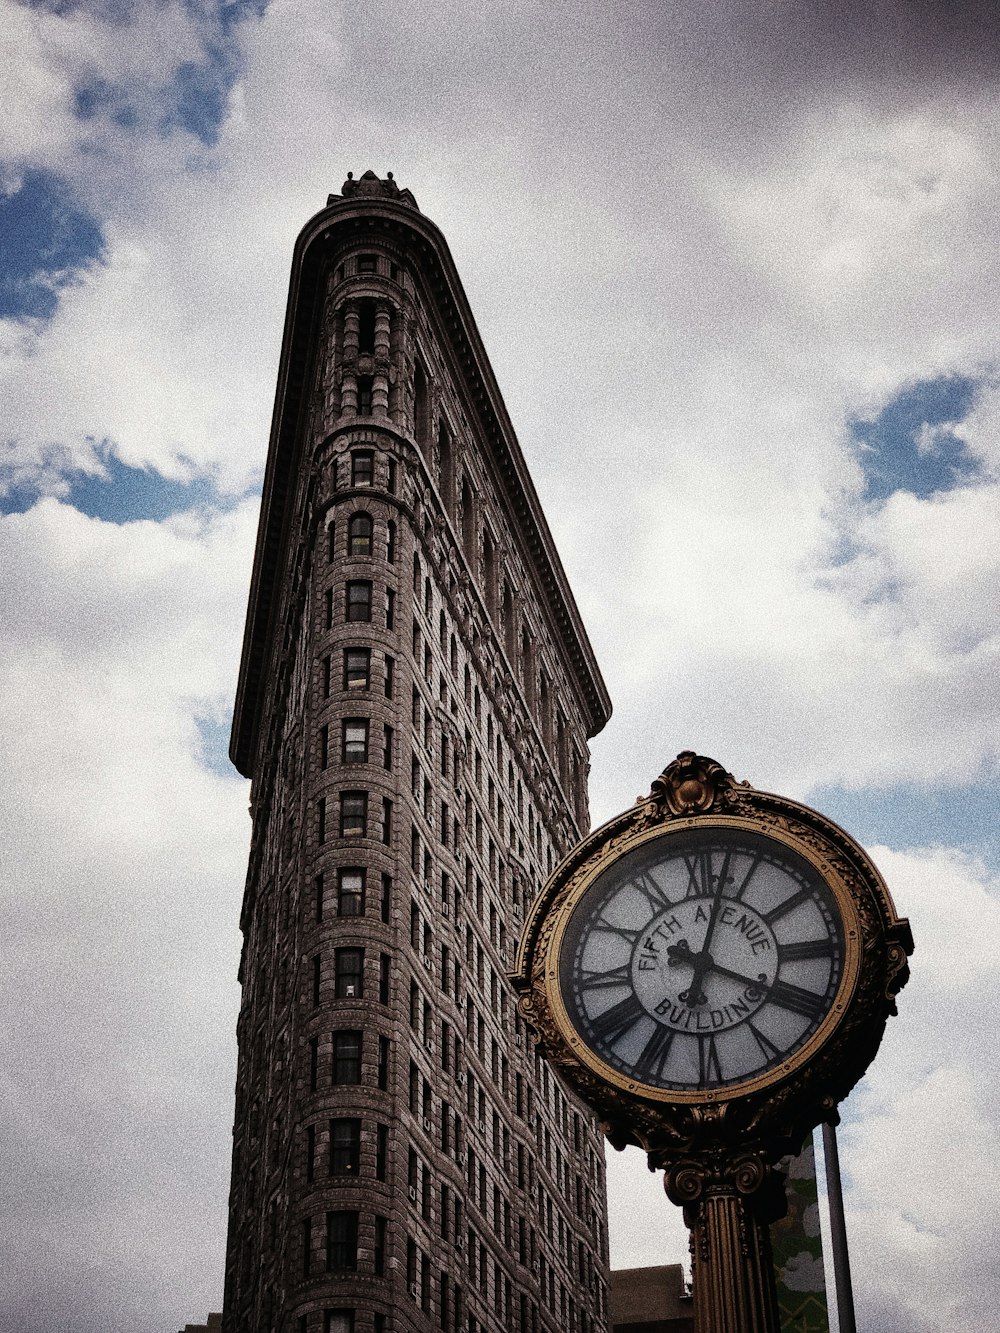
(367, 264)
(390, 609)
(331, 540)
(339, 1321)
(350, 892)
(345, 1147)
(359, 535)
(328, 607)
(390, 542)
(318, 900)
(386, 821)
(354, 741)
(326, 677)
(381, 1151)
(390, 668)
(313, 1062)
(378, 1258)
(383, 1064)
(347, 1057)
(357, 665)
(350, 966)
(306, 1245)
(341, 1241)
(364, 395)
(321, 820)
(310, 1152)
(353, 814)
(386, 902)
(359, 599)
(390, 476)
(387, 746)
(383, 978)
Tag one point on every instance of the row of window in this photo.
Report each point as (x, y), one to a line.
(350, 889)
(353, 817)
(349, 975)
(358, 604)
(354, 742)
(347, 1049)
(357, 670)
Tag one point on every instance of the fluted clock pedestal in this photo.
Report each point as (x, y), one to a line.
(729, 1205)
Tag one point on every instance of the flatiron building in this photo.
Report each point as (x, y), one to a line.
(415, 699)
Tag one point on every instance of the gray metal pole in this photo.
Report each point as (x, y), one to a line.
(838, 1234)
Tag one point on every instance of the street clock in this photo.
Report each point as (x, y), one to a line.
(712, 970)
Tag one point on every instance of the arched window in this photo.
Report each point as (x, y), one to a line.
(359, 535)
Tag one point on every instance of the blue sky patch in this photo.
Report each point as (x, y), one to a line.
(46, 240)
(214, 738)
(916, 816)
(192, 96)
(908, 446)
(125, 494)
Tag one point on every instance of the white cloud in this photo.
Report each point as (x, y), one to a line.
(123, 861)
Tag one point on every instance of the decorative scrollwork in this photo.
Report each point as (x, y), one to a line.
(691, 785)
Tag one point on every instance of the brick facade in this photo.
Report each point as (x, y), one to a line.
(415, 700)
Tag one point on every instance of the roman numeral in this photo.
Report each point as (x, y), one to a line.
(699, 868)
(709, 1069)
(615, 976)
(797, 1000)
(654, 1054)
(792, 953)
(651, 891)
(629, 936)
(767, 1048)
(789, 905)
(616, 1021)
(738, 895)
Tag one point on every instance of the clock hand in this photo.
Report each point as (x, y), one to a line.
(703, 961)
(681, 953)
(716, 901)
(759, 982)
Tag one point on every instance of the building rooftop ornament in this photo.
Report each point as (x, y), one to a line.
(371, 187)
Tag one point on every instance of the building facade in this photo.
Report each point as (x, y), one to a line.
(415, 699)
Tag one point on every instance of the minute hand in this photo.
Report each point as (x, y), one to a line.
(716, 902)
(703, 960)
(794, 998)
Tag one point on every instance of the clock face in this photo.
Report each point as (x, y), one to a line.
(703, 959)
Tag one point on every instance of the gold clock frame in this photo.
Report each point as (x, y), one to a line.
(829, 873)
(694, 793)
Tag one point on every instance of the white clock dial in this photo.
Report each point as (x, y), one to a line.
(702, 960)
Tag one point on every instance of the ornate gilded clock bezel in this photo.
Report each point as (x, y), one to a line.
(695, 794)
(581, 883)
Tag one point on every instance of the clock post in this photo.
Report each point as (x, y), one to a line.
(712, 970)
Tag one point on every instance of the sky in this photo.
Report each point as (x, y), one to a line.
(736, 269)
